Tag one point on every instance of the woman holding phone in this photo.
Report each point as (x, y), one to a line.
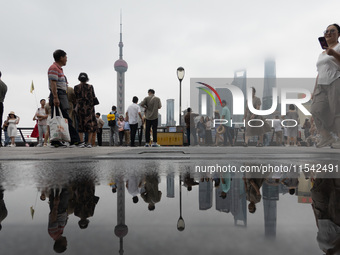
(326, 96)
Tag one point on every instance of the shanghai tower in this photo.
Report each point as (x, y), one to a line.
(269, 83)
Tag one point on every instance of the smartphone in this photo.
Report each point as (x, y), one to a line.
(323, 42)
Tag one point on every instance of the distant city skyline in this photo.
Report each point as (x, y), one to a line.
(209, 47)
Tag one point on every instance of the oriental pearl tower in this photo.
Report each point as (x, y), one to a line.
(121, 67)
(121, 230)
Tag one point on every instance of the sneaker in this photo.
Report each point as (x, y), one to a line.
(64, 144)
(146, 145)
(39, 145)
(155, 145)
(81, 145)
(325, 141)
(88, 146)
(336, 144)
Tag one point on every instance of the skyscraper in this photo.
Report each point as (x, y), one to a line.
(240, 81)
(121, 67)
(269, 83)
(205, 106)
(170, 112)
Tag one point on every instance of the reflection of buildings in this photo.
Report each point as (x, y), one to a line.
(170, 112)
(222, 205)
(205, 195)
(235, 202)
(270, 197)
(303, 190)
(238, 201)
(121, 67)
(121, 229)
(205, 106)
(170, 185)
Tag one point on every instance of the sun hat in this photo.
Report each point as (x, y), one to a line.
(11, 112)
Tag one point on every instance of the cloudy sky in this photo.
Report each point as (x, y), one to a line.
(208, 38)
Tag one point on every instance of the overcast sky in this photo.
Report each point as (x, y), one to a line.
(208, 38)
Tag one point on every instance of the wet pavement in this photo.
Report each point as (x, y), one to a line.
(89, 207)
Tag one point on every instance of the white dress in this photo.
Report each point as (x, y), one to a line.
(12, 128)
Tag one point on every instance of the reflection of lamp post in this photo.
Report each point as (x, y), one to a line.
(180, 222)
(180, 76)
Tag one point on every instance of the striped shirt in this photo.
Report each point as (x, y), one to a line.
(55, 73)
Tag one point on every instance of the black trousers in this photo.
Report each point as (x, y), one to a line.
(1, 113)
(133, 131)
(151, 124)
(227, 136)
(100, 136)
(121, 136)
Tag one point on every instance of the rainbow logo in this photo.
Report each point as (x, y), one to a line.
(209, 93)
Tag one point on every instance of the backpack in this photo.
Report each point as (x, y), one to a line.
(111, 118)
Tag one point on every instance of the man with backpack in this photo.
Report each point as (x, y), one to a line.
(111, 118)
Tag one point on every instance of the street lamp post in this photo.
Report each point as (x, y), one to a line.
(180, 76)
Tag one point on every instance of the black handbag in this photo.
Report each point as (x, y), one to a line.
(95, 101)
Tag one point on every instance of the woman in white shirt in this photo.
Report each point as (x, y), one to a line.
(326, 96)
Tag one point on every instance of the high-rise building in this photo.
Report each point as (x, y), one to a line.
(205, 106)
(159, 119)
(170, 112)
(121, 67)
(240, 81)
(269, 83)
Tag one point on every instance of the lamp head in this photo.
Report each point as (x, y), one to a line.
(180, 73)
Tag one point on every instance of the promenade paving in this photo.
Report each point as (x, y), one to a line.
(270, 153)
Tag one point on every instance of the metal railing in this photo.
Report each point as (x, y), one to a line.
(24, 136)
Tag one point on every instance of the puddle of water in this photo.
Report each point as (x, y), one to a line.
(178, 211)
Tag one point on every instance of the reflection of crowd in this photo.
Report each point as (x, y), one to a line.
(78, 197)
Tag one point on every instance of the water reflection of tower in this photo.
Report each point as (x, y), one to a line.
(238, 201)
(170, 185)
(121, 229)
(121, 67)
(270, 198)
(269, 84)
(235, 202)
(205, 194)
(240, 81)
